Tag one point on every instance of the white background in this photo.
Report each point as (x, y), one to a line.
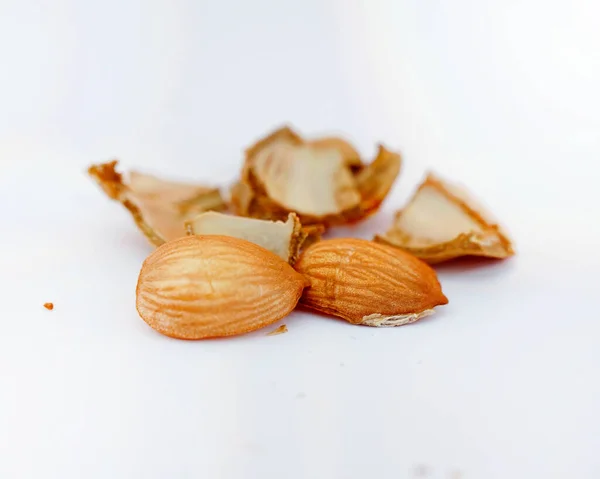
(501, 95)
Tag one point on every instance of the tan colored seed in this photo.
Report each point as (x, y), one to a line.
(368, 283)
(210, 286)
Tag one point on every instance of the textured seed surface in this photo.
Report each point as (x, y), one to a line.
(368, 283)
(210, 286)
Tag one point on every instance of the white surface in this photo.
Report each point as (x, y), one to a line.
(501, 383)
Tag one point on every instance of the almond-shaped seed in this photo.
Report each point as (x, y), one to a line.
(211, 286)
(368, 283)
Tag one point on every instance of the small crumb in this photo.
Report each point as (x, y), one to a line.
(280, 330)
(49, 306)
(300, 396)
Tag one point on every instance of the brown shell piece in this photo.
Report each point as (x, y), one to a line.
(376, 180)
(322, 180)
(282, 238)
(368, 283)
(442, 221)
(159, 207)
(313, 234)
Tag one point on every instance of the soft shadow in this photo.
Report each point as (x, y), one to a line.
(301, 309)
(440, 314)
(470, 263)
(366, 229)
